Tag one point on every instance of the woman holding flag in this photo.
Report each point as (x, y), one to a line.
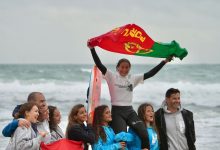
(121, 85)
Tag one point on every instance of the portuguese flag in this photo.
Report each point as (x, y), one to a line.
(133, 40)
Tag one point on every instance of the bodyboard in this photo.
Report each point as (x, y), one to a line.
(94, 90)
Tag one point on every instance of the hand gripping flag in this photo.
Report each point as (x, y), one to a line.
(133, 40)
(63, 144)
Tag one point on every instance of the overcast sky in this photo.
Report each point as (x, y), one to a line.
(52, 31)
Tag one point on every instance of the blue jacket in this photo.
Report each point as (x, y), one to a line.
(10, 128)
(136, 143)
(112, 140)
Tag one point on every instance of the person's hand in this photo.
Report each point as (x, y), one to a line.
(168, 59)
(123, 145)
(24, 123)
(88, 44)
(43, 113)
(90, 118)
(42, 133)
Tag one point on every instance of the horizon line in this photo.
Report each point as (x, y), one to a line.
(105, 64)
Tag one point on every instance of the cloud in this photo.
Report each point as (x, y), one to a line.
(56, 32)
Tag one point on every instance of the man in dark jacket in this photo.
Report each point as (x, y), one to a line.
(175, 124)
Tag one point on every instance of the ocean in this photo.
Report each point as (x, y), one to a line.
(66, 85)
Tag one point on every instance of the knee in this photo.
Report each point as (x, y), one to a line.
(140, 129)
(118, 127)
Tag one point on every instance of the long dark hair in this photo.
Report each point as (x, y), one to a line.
(97, 122)
(52, 124)
(71, 118)
(141, 115)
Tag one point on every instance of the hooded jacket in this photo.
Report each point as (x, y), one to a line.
(9, 130)
(189, 127)
(56, 134)
(24, 139)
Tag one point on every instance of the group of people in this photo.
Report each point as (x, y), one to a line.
(169, 128)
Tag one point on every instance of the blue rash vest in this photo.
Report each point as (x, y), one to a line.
(112, 140)
(136, 143)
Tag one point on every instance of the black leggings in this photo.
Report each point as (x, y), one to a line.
(123, 116)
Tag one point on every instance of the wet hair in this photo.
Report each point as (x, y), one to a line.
(171, 91)
(32, 96)
(121, 61)
(26, 107)
(141, 115)
(52, 124)
(71, 118)
(97, 122)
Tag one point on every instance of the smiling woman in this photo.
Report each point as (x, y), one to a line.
(26, 138)
(105, 136)
(76, 129)
(29, 111)
(54, 121)
(146, 114)
(121, 85)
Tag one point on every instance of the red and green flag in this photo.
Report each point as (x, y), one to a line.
(62, 144)
(133, 40)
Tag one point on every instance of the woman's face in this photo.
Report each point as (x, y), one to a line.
(57, 116)
(123, 68)
(107, 116)
(81, 116)
(149, 114)
(32, 115)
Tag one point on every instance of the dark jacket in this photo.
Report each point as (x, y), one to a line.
(189, 125)
(80, 132)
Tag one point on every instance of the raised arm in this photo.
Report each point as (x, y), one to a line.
(154, 71)
(96, 59)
